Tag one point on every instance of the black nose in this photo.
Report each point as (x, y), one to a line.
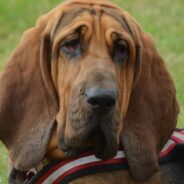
(101, 98)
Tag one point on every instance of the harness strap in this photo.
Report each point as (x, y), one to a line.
(61, 172)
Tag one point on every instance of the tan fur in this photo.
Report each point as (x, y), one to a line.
(41, 97)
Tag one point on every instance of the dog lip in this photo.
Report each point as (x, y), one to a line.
(101, 146)
(94, 131)
(64, 147)
(71, 153)
(96, 142)
(62, 144)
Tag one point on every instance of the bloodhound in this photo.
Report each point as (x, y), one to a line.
(87, 76)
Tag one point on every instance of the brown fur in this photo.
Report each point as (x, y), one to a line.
(42, 93)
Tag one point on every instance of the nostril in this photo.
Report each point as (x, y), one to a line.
(110, 102)
(100, 97)
(93, 101)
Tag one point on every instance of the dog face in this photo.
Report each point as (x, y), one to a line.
(94, 56)
(86, 75)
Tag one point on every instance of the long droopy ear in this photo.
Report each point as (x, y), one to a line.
(152, 112)
(28, 101)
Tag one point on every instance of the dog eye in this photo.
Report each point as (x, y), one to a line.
(120, 53)
(72, 45)
(71, 48)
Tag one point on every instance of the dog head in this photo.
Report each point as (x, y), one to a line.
(87, 75)
(93, 60)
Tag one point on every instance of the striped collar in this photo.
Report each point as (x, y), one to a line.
(61, 172)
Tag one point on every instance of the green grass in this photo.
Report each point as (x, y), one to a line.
(163, 19)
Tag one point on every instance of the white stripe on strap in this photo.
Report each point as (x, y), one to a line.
(76, 163)
(179, 137)
(167, 148)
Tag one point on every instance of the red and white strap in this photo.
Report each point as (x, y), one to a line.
(65, 168)
(176, 138)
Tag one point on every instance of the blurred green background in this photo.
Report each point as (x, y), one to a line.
(162, 18)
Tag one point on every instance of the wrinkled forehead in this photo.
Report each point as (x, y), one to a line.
(91, 15)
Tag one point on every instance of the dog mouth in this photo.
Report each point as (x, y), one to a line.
(100, 138)
(103, 147)
(97, 142)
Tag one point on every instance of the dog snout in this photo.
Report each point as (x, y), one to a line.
(101, 98)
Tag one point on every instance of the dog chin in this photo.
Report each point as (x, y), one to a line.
(91, 130)
(104, 147)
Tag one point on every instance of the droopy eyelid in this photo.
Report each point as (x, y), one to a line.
(69, 38)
